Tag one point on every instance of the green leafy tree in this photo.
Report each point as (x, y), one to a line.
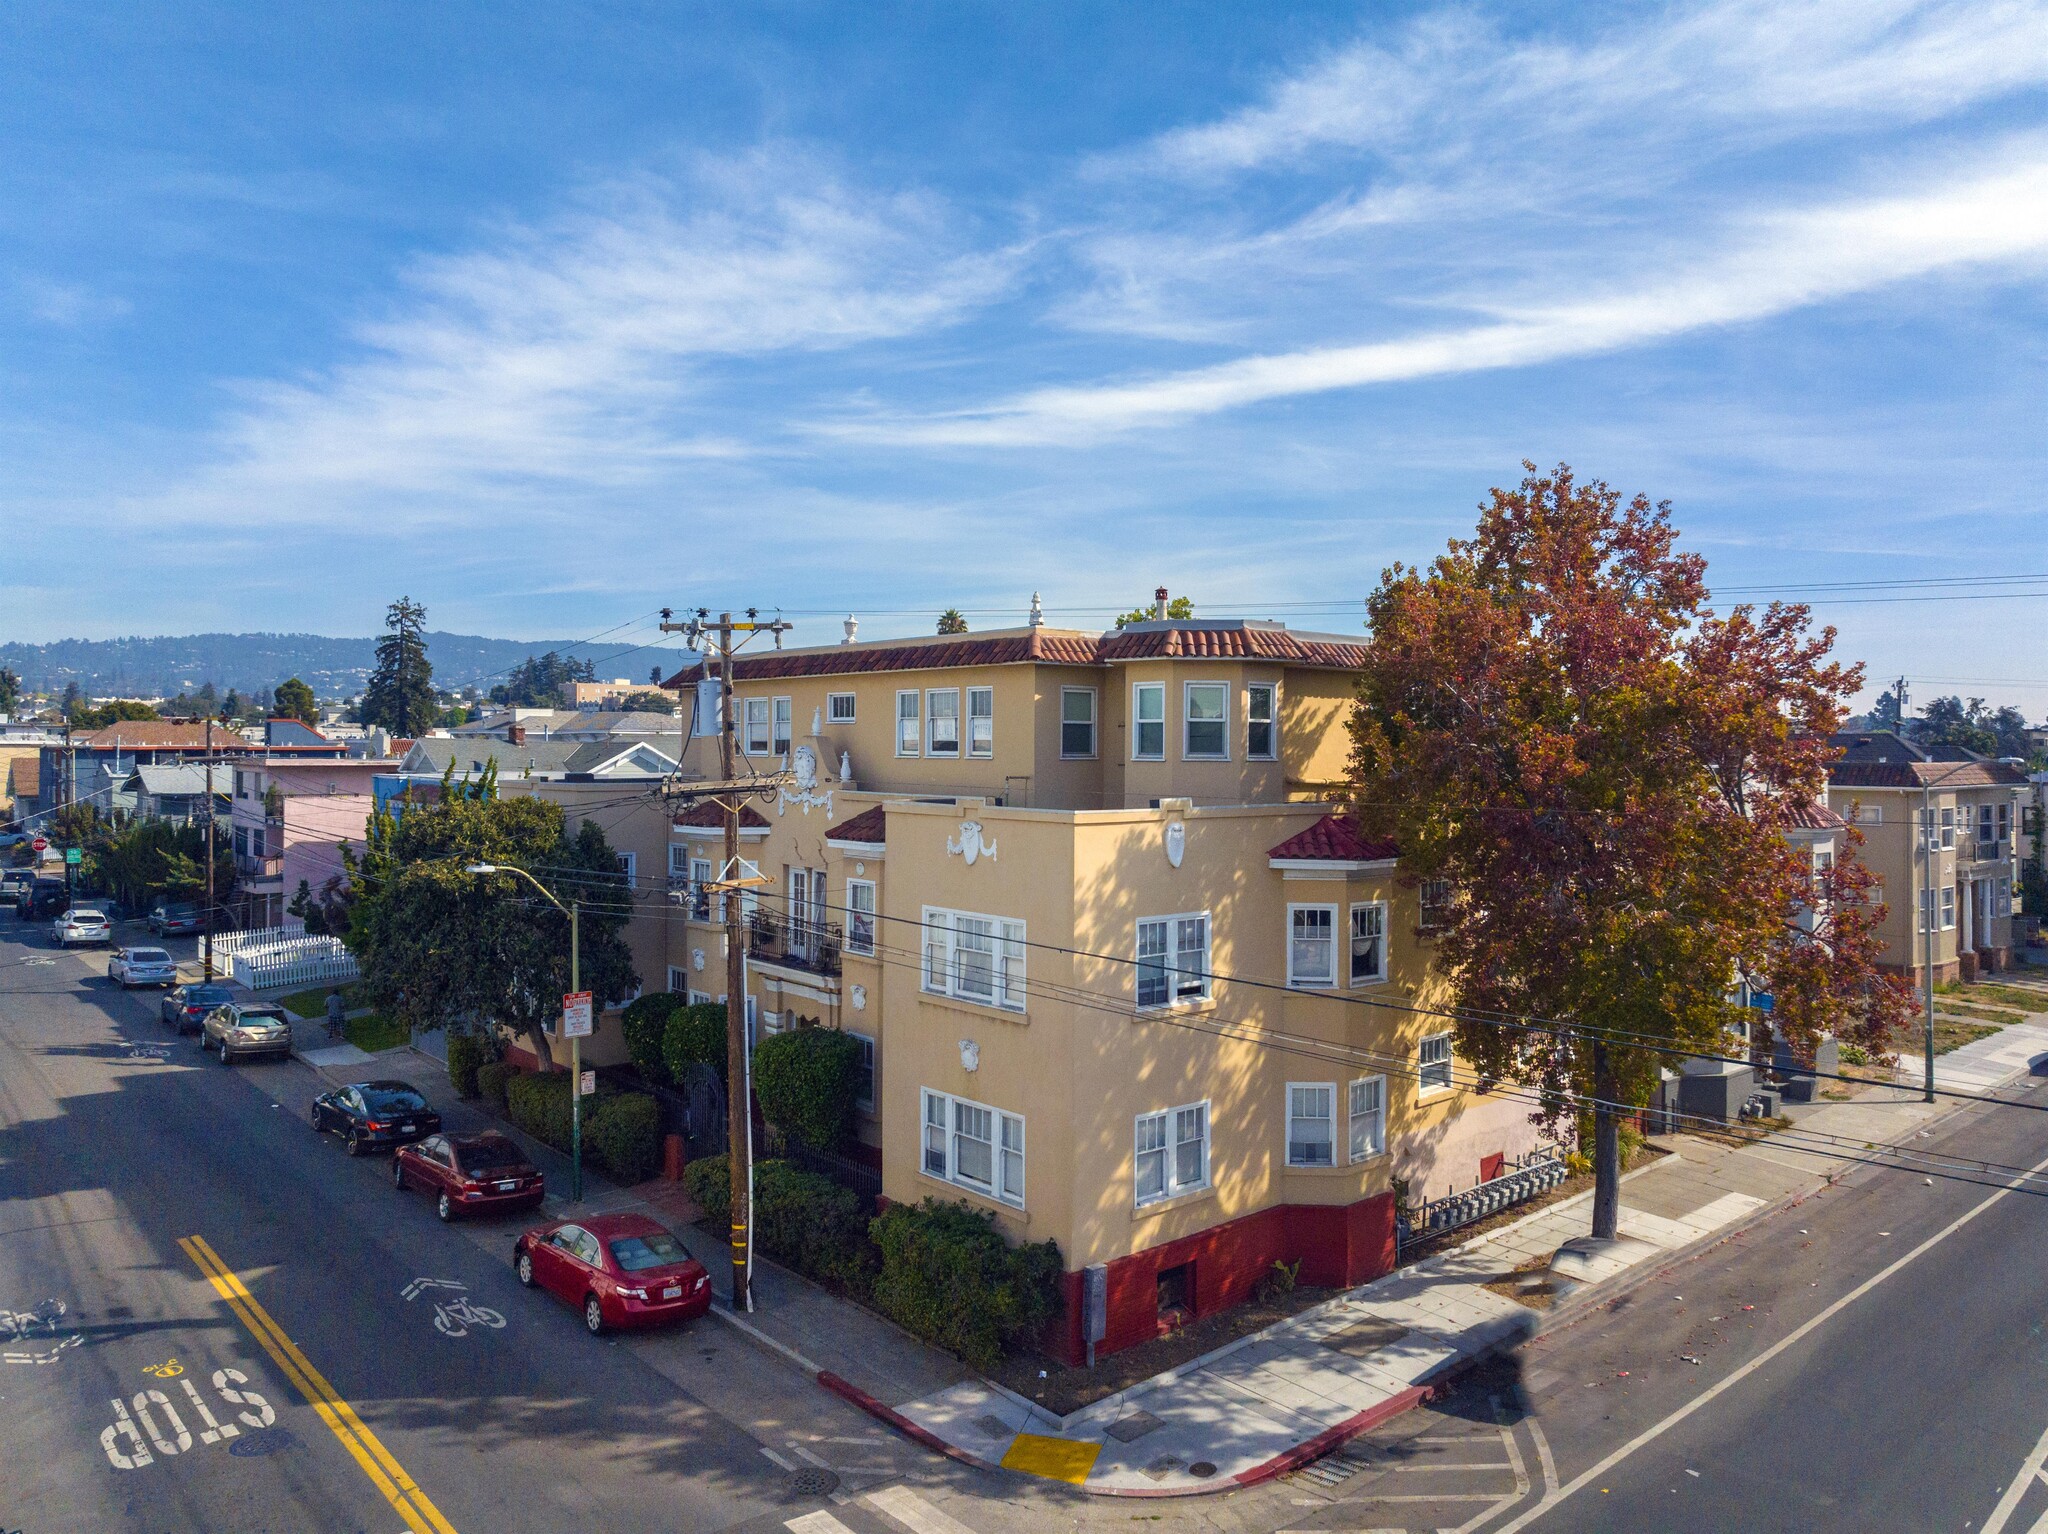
(806, 1080)
(117, 712)
(542, 681)
(649, 703)
(439, 945)
(952, 621)
(147, 860)
(295, 700)
(2009, 728)
(399, 695)
(10, 691)
(73, 700)
(1886, 713)
(234, 706)
(1177, 607)
(1952, 722)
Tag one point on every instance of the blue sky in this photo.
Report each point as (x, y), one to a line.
(552, 315)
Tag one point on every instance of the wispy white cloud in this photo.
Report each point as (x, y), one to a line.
(68, 304)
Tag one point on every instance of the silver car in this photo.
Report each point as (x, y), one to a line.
(242, 1030)
(142, 966)
(78, 929)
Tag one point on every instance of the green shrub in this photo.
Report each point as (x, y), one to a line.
(947, 1275)
(709, 1182)
(492, 1078)
(645, 1022)
(1855, 1054)
(809, 1222)
(695, 1036)
(806, 1081)
(624, 1134)
(465, 1055)
(539, 1104)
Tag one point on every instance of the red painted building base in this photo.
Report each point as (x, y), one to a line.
(1337, 1245)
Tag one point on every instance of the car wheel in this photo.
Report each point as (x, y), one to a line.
(522, 1265)
(313, 1114)
(593, 1316)
(444, 1208)
(354, 1143)
(398, 1174)
(225, 1057)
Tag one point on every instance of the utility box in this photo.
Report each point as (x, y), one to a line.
(1094, 1306)
(1714, 1089)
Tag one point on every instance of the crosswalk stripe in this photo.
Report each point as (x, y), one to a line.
(913, 1512)
(816, 1523)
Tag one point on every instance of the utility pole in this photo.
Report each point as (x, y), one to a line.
(206, 927)
(738, 1058)
(71, 799)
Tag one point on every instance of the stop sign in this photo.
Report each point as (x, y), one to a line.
(40, 844)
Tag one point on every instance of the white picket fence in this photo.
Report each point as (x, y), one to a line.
(260, 939)
(272, 958)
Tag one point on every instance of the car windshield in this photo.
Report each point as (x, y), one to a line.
(658, 1249)
(181, 912)
(208, 995)
(262, 1017)
(148, 956)
(392, 1100)
(88, 918)
(489, 1156)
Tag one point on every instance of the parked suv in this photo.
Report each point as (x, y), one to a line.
(174, 920)
(42, 898)
(81, 928)
(242, 1030)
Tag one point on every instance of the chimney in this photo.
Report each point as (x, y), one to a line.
(516, 735)
(852, 627)
(1159, 603)
(1037, 619)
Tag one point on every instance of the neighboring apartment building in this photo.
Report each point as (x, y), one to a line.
(1942, 832)
(290, 816)
(1122, 977)
(567, 724)
(95, 766)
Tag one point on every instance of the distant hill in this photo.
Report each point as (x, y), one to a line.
(333, 668)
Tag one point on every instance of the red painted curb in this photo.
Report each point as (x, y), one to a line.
(847, 1390)
(1335, 1437)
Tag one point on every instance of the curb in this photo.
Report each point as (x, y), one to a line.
(846, 1390)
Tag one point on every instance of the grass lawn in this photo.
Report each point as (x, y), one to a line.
(377, 1032)
(1997, 1015)
(313, 1003)
(2000, 995)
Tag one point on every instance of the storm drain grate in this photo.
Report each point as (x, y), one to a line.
(813, 1483)
(1333, 1468)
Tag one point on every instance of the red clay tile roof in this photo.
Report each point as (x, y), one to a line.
(1814, 816)
(1045, 648)
(711, 813)
(1333, 839)
(1232, 644)
(870, 825)
(1930, 774)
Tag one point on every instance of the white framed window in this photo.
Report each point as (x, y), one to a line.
(1948, 906)
(1171, 1153)
(860, 916)
(943, 736)
(702, 999)
(1368, 1117)
(1433, 1062)
(975, 958)
(678, 860)
(909, 724)
(1205, 721)
(1948, 829)
(864, 1072)
(780, 745)
(755, 714)
(839, 708)
(2004, 821)
(1309, 1123)
(981, 721)
(1148, 722)
(1077, 722)
(1173, 959)
(1435, 905)
(628, 867)
(1311, 945)
(1984, 822)
(700, 894)
(972, 1145)
(678, 980)
(1926, 909)
(1369, 942)
(1261, 727)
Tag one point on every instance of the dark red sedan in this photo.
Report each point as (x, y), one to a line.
(621, 1270)
(485, 1171)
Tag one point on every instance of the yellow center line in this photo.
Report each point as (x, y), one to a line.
(385, 1473)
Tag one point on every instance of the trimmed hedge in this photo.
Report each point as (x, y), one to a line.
(801, 1219)
(695, 1036)
(492, 1079)
(539, 1104)
(465, 1055)
(806, 1081)
(645, 1023)
(948, 1276)
(624, 1133)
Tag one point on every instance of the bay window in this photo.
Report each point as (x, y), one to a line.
(974, 958)
(1311, 941)
(1148, 715)
(942, 738)
(1369, 942)
(1171, 1153)
(908, 724)
(981, 721)
(1173, 960)
(860, 916)
(1205, 721)
(972, 1145)
(1261, 739)
(1309, 1140)
(1368, 1117)
(1077, 721)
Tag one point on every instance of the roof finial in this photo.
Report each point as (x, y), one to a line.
(852, 628)
(1037, 612)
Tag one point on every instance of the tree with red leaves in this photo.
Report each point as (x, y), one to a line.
(1553, 720)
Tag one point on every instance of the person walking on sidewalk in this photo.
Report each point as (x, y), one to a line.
(337, 1013)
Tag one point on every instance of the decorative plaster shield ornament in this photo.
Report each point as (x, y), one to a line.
(697, 959)
(970, 1055)
(860, 998)
(804, 767)
(1176, 841)
(970, 845)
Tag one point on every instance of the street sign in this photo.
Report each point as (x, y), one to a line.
(74, 855)
(587, 1087)
(576, 1015)
(40, 844)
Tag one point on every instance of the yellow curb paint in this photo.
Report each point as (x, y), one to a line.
(1057, 1459)
(376, 1461)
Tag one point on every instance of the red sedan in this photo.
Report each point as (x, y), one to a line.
(469, 1172)
(621, 1269)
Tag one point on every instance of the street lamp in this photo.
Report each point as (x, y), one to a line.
(573, 911)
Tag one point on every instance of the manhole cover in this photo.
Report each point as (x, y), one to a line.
(1201, 1470)
(813, 1483)
(1365, 1337)
(992, 1426)
(1130, 1429)
(262, 1441)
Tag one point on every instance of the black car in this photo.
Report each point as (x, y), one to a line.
(185, 1008)
(44, 898)
(373, 1113)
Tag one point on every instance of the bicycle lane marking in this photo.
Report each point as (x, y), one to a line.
(376, 1461)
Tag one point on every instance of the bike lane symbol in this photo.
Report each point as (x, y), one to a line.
(454, 1317)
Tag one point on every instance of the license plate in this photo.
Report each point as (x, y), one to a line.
(672, 1292)
(405, 1129)
(507, 1187)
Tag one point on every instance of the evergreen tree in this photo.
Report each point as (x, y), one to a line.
(10, 689)
(400, 693)
(295, 700)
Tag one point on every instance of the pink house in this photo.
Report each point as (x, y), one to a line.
(291, 815)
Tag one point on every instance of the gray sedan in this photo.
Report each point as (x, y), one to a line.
(131, 967)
